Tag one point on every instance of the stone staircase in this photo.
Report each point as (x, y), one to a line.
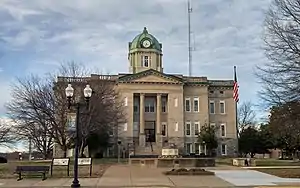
(146, 150)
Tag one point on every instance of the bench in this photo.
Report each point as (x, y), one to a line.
(32, 169)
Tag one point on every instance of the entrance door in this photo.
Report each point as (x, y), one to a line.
(150, 135)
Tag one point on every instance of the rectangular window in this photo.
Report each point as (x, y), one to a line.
(176, 126)
(224, 149)
(188, 128)
(149, 106)
(175, 102)
(196, 104)
(197, 148)
(197, 128)
(223, 130)
(212, 107)
(187, 104)
(164, 129)
(189, 148)
(135, 109)
(164, 106)
(146, 61)
(222, 107)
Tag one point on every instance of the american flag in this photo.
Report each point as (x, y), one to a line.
(235, 87)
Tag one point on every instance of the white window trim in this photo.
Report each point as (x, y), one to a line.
(196, 99)
(149, 60)
(223, 124)
(191, 147)
(165, 123)
(214, 107)
(212, 124)
(176, 102)
(222, 102)
(125, 127)
(196, 123)
(176, 127)
(125, 101)
(188, 123)
(200, 149)
(187, 99)
(224, 154)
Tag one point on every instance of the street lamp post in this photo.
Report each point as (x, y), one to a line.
(87, 94)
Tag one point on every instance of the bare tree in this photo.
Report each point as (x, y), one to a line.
(246, 115)
(6, 137)
(103, 116)
(280, 77)
(40, 110)
(27, 110)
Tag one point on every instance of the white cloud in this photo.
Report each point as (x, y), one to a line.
(226, 33)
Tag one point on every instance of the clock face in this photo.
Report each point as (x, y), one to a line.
(146, 43)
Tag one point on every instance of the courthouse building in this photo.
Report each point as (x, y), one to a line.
(166, 109)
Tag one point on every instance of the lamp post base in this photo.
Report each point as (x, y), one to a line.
(75, 184)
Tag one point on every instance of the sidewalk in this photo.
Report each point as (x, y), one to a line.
(125, 176)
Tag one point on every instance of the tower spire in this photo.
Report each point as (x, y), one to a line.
(189, 37)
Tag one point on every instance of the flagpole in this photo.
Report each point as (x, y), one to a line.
(236, 117)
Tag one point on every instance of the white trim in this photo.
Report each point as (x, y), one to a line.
(162, 124)
(176, 102)
(191, 147)
(224, 154)
(190, 107)
(190, 125)
(143, 60)
(222, 102)
(176, 126)
(125, 101)
(198, 125)
(125, 126)
(214, 107)
(198, 106)
(223, 125)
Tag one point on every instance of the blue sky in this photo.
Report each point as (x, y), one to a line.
(37, 35)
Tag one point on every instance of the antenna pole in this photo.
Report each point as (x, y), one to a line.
(189, 37)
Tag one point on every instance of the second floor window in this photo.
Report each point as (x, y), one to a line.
(222, 107)
(212, 107)
(149, 106)
(196, 104)
(135, 109)
(164, 106)
(187, 104)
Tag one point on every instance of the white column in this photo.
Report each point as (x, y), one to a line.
(142, 107)
(158, 113)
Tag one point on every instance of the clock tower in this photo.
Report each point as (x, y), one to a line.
(145, 52)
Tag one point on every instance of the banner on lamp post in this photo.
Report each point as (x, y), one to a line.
(71, 121)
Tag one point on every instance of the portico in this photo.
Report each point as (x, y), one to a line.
(150, 116)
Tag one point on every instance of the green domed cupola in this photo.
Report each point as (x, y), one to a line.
(145, 52)
(145, 40)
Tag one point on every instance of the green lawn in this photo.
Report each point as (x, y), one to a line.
(261, 162)
(99, 167)
(282, 172)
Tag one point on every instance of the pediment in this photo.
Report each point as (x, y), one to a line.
(151, 76)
